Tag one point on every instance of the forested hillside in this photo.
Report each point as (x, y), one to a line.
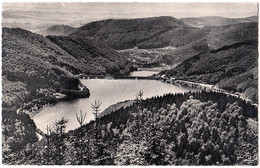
(57, 30)
(148, 33)
(165, 31)
(93, 58)
(229, 60)
(32, 63)
(128, 33)
(18, 131)
(211, 38)
(195, 128)
(34, 68)
(222, 36)
(176, 37)
(159, 32)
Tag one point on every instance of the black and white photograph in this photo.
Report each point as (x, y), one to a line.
(129, 83)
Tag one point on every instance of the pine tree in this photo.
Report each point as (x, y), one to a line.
(48, 136)
(81, 118)
(96, 109)
(139, 99)
(58, 140)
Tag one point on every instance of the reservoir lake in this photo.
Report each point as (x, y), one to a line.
(108, 92)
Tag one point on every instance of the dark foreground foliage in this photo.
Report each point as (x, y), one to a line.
(198, 128)
(18, 130)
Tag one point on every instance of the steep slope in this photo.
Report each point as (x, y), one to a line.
(213, 38)
(216, 21)
(31, 63)
(128, 33)
(34, 68)
(159, 32)
(230, 62)
(57, 30)
(148, 33)
(155, 32)
(31, 72)
(176, 37)
(222, 36)
(93, 58)
(182, 53)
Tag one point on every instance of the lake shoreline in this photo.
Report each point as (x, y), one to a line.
(109, 92)
(36, 105)
(120, 83)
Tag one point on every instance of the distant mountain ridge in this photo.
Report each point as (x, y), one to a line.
(216, 21)
(57, 30)
(153, 32)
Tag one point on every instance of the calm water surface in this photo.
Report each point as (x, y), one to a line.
(143, 73)
(105, 90)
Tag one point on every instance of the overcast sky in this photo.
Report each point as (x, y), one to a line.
(35, 16)
(142, 9)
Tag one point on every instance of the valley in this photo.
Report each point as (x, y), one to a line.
(130, 91)
(149, 58)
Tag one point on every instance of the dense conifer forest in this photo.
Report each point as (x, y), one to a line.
(193, 128)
